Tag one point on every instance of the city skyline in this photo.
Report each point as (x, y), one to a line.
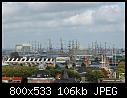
(85, 22)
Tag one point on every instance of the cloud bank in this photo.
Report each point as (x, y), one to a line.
(39, 21)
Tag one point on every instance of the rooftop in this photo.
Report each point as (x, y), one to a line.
(11, 78)
(65, 78)
(41, 74)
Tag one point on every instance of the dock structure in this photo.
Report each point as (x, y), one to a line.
(36, 61)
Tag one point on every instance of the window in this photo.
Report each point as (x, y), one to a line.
(38, 75)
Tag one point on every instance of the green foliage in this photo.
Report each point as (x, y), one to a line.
(73, 74)
(52, 70)
(94, 75)
(49, 68)
(25, 71)
(21, 71)
(120, 68)
(121, 65)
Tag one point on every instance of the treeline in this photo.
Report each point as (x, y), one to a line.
(26, 71)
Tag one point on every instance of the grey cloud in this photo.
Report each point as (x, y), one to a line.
(27, 7)
(82, 18)
(109, 15)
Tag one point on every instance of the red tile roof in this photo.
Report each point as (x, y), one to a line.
(11, 78)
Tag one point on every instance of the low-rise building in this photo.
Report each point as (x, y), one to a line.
(23, 47)
(110, 80)
(82, 71)
(41, 76)
(11, 79)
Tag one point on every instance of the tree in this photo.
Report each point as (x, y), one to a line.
(73, 74)
(120, 68)
(52, 70)
(93, 75)
(121, 65)
(105, 73)
(20, 71)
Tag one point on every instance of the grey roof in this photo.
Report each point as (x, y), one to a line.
(41, 74)
(81, 69)
(94, 65)
(69, 80)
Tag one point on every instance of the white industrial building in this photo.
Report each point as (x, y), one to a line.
(23, 47)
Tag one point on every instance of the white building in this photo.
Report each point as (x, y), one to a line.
(62, 59)
(23, 47)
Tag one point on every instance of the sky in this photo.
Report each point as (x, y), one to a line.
(86, 22)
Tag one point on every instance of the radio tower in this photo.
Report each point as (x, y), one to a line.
(35, 46)
(100, 50)
(95, 49)
(73, 52)
(69, 46)
(76, 45)
(38, 47)
(88, 48)
(50, 45)
(61, 43)
(92, 49)
(105, 49)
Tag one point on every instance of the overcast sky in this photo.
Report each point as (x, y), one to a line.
(86, 22)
